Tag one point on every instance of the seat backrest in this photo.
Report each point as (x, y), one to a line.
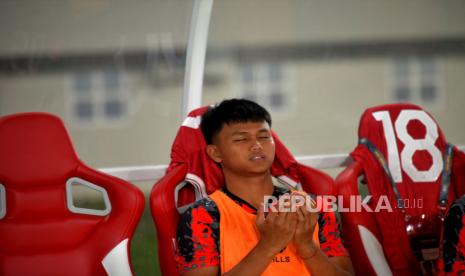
(192, 175)
(412, 147)
(42, 229)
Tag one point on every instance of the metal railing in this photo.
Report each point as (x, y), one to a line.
(155, 172)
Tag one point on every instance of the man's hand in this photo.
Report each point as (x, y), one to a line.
(315, 260)
(306, 222)
(276, 230)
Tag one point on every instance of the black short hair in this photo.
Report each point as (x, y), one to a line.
(231, 111)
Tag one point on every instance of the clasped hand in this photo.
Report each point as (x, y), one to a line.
(279, 228)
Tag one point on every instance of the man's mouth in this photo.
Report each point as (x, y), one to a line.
(257, 157)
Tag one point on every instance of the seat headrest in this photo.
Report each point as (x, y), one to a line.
(189, 148)
(373, 121)
(409, 139)
(34, 148)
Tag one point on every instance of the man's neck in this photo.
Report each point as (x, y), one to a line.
(252, 189)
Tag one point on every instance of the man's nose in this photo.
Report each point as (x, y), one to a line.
(256, 146)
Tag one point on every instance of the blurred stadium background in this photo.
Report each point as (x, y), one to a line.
(114, 70)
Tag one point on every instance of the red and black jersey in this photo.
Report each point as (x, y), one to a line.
(198, 233)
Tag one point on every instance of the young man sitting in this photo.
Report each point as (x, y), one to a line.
(229, 233)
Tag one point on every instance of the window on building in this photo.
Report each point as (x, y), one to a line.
(268, 84)
(98, 97)
(416, 80)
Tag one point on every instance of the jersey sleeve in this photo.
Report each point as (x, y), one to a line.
(197, 237)
(329, 235)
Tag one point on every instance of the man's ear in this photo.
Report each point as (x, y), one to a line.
(214, 153)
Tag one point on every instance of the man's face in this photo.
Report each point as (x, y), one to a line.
(244, 148)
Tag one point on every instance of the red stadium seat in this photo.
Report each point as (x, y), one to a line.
(192, 175)
(414, 181)
(42, 231)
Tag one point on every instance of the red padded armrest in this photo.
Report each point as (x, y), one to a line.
(166, 216)
(346, 185)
